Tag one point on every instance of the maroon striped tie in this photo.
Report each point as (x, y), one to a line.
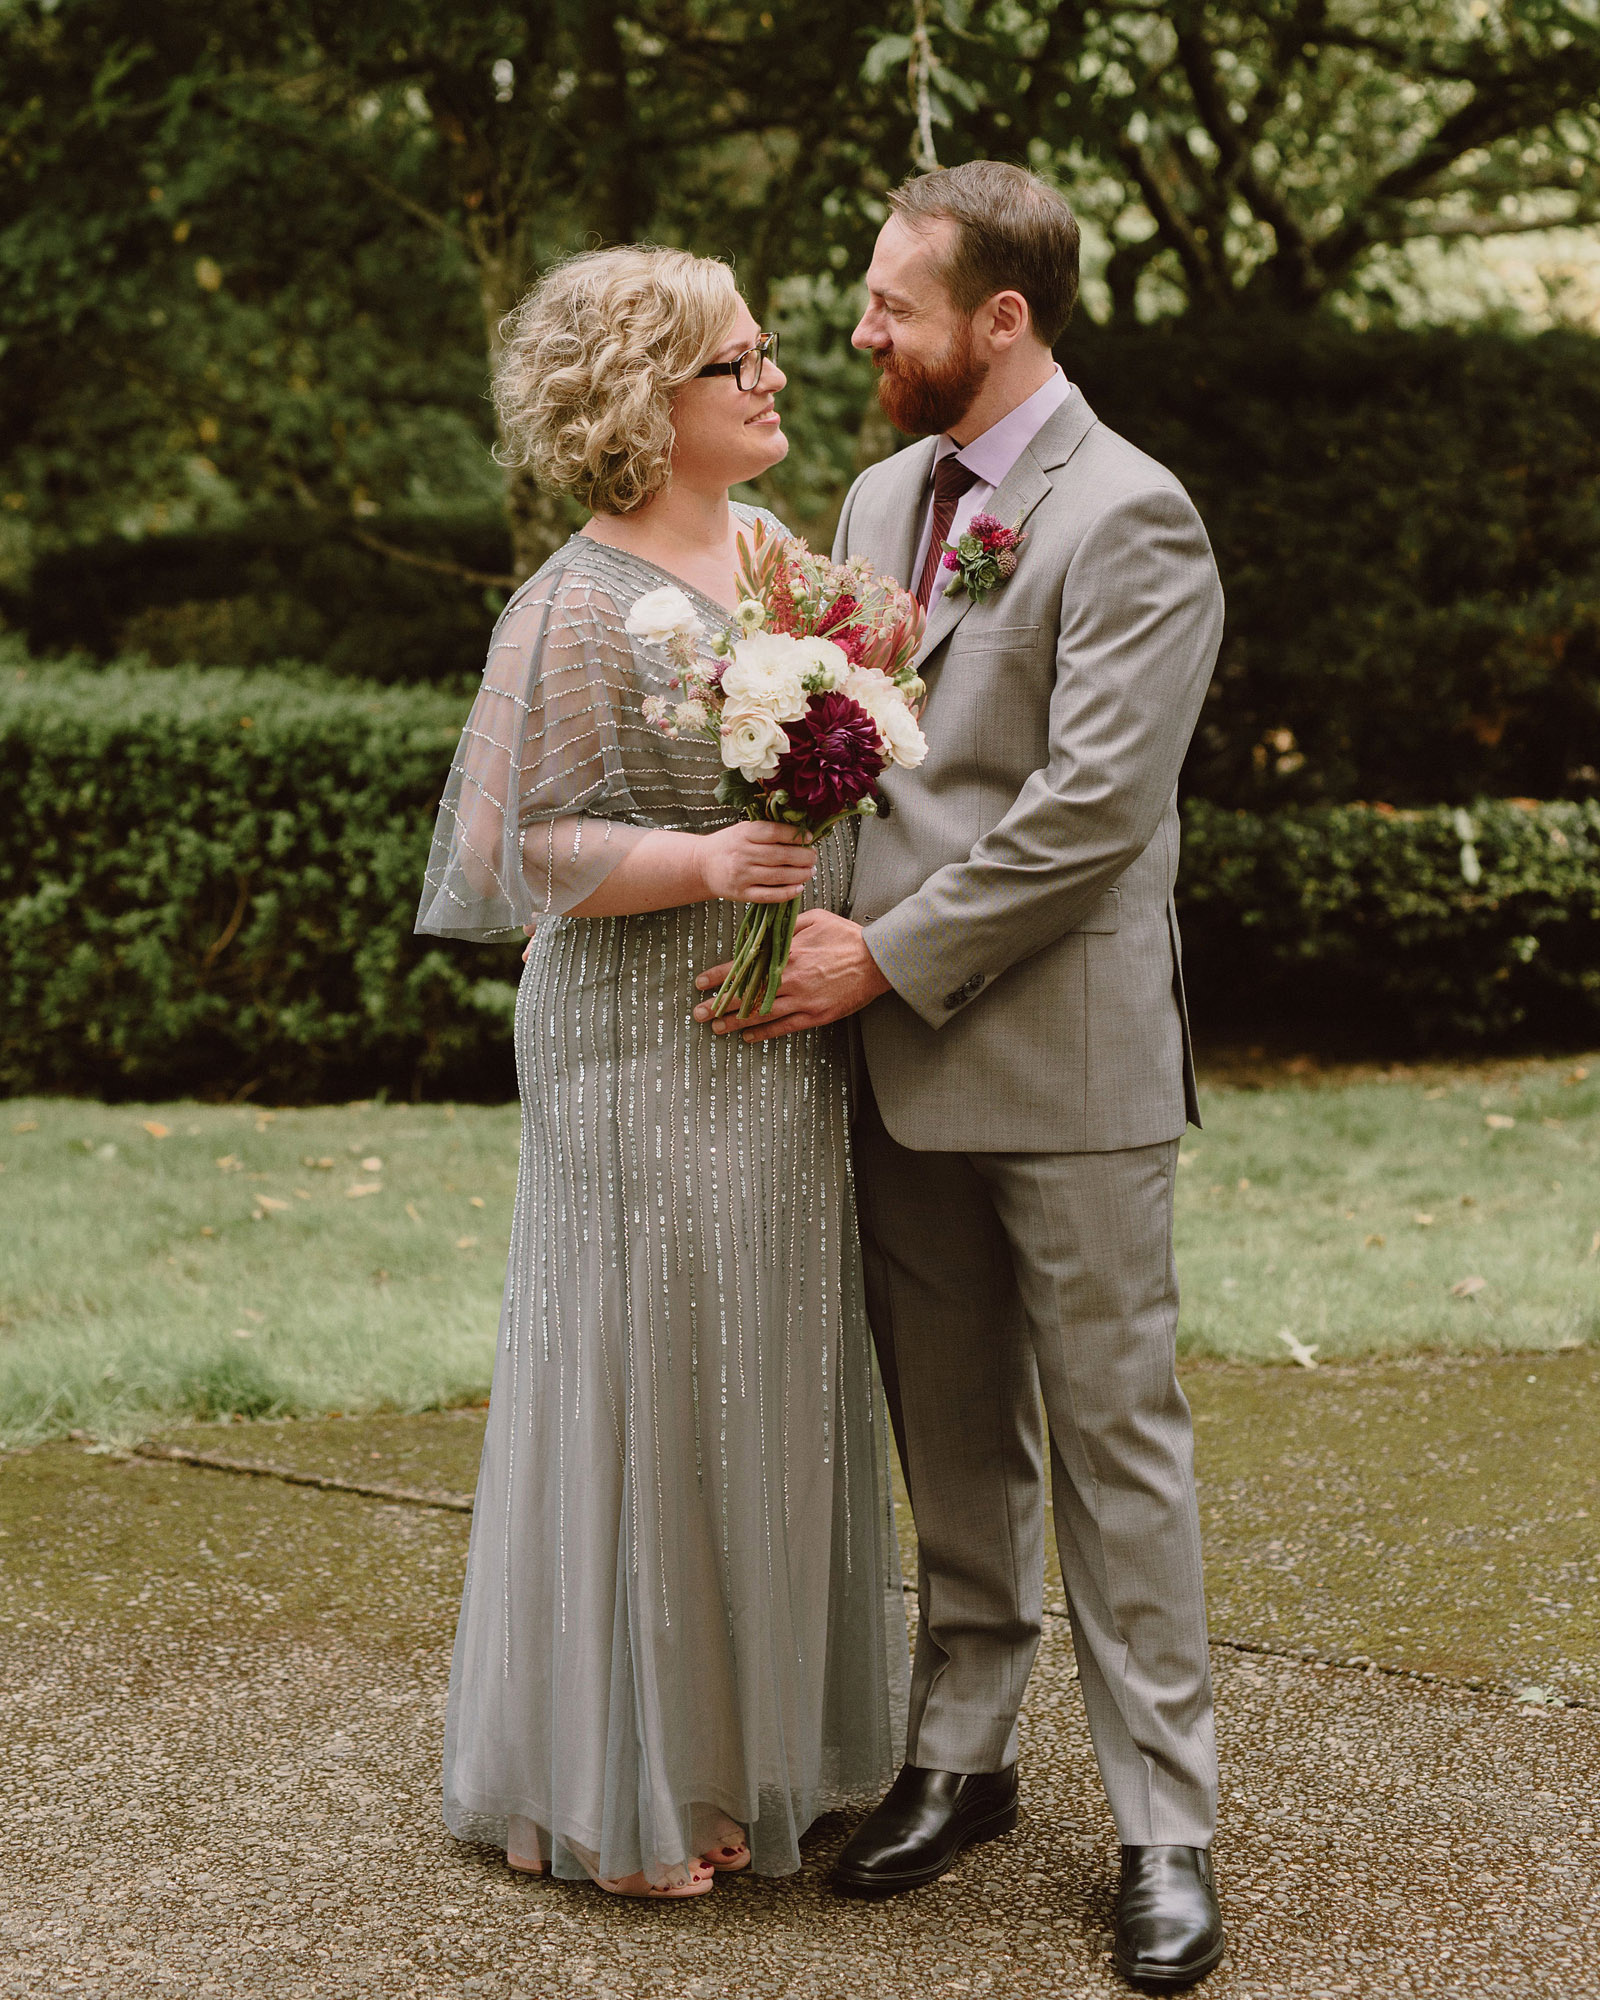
(950, 480)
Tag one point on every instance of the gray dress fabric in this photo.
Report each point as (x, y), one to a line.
(682, 1596)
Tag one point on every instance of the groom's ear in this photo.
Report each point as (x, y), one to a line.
(1004, 319)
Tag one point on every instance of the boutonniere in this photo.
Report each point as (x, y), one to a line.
(983, 557)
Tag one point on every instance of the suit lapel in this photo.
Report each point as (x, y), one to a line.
(886, 531)
(1012, 501)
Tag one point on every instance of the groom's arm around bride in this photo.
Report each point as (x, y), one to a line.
(1012, 951)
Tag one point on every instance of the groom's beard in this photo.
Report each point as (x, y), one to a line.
(921, 398)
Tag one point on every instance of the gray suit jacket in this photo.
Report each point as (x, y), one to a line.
(1018, 897)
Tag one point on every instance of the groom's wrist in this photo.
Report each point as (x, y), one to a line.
(872, 973)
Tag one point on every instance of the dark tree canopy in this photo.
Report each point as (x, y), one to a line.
(255, 252)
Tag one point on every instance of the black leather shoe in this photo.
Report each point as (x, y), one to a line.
(922, 1825)
(1169, 1928)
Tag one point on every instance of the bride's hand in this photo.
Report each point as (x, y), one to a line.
(527, 950)
(756, 861)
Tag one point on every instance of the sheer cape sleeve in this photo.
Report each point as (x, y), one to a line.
(537, 809)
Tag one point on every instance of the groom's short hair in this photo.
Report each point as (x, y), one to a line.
(1014, 233)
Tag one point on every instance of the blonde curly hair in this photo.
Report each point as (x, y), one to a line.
(591, 360)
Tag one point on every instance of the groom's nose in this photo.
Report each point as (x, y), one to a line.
(868, 334)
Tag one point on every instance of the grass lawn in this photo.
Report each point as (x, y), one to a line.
(185, 1261)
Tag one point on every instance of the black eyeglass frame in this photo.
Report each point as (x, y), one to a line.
(765, 350)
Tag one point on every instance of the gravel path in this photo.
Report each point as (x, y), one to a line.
(218, 1756)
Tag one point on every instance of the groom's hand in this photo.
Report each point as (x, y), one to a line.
(830, 974)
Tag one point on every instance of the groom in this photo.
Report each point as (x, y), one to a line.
(1013, 954)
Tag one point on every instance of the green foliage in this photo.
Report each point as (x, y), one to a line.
(1435, 928)
(209, 880)
(1408, 530)
(209, 877)
(274, 587)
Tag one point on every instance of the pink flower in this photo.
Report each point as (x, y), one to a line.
(951, 559)
(992, 533)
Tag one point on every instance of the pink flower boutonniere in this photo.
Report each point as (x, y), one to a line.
(983, 557)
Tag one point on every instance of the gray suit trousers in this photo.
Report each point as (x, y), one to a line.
(995, 1282)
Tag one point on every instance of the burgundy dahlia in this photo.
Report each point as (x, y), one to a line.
(991, 533)
(834, 759)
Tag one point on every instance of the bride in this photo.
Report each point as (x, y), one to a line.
(681, 1637)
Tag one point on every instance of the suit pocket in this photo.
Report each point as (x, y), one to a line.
(995, 638)
(1106, 915)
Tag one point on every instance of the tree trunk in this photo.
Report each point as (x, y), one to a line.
(539, 522)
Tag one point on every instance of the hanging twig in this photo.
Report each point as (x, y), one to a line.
(437, 565)
(920, 75)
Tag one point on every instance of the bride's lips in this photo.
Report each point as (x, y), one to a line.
(767, 416)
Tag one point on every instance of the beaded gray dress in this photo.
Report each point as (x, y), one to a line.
(682, 1596)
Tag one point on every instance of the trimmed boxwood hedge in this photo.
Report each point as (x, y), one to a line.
(208, 879)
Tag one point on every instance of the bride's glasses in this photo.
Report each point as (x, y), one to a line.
(746, 368)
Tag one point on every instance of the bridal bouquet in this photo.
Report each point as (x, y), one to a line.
(809, 695)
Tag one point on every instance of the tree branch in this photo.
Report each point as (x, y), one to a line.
(1169, 218)
(1520, 100)
(436, 565)
(1294, 251)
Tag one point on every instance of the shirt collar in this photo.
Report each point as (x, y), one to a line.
(992, 455)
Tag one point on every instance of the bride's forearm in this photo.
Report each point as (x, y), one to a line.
(660, 872)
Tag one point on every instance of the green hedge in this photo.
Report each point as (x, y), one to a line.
(279, 586)
(1408, 530)
(1434, 928)
(208, 880)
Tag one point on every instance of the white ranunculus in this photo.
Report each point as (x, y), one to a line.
(768, 672)
(907, 744)
(824, 662)
(903, 742)
(659, 615)
(752, 742)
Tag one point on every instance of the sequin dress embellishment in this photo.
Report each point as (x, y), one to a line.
(682, 1594)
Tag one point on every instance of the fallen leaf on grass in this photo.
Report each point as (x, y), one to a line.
(302, 1194)
(1423, 1221)
(359, 1188)
(1579, 1075)
(1499, 1121)
(325, 1164)
(466, 1242)
(156, 1129)
(476, 1200)
(1243, 1185)
(27, 1125)
(243, 1333)
(1299, 1351)
(1594, 1244)
(207, 1230)
(1433, 1095)
(229, 1164)
(270, 1203)
(372, 1164)
(1373, 1242)
(1463, 1288)
(412, 1211)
